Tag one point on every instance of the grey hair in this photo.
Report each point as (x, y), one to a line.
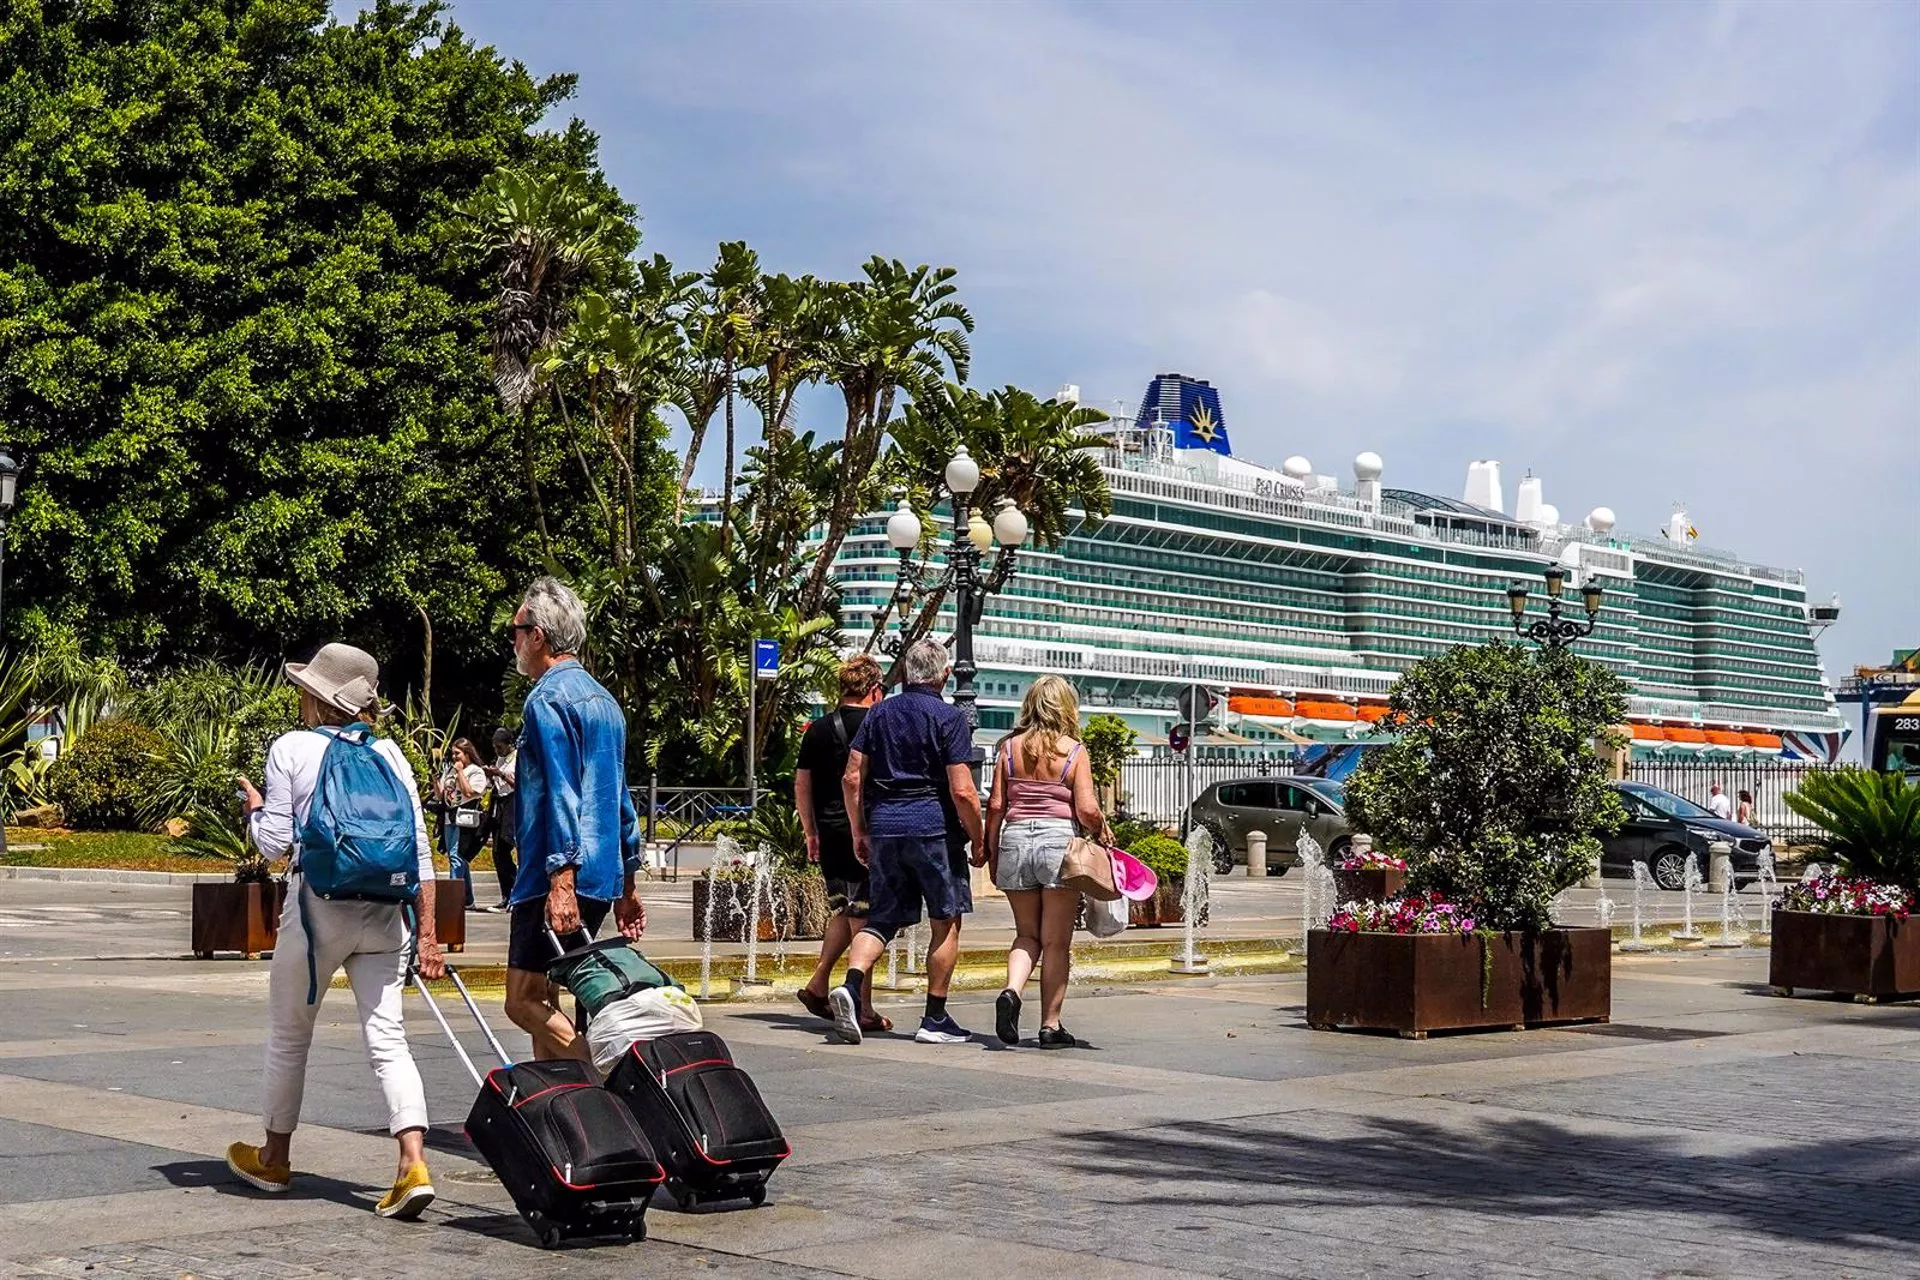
(551, 606)
(926, 661)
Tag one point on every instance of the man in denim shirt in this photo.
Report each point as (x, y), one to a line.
(579, 838)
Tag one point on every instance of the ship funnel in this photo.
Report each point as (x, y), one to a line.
(1366, 476)
(1678, 529)
(1527, 502)
(1483, 486)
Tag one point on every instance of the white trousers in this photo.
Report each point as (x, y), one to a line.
(370, 940)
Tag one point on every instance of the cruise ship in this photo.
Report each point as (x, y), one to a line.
(1298, 599)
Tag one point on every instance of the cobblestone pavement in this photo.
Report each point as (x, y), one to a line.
(1710, 1130)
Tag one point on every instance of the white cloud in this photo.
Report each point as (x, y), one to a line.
(1656, 251)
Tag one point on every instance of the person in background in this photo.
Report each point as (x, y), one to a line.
(461, 788)
(500, 782)
(578, 835)
(369, 939)
(822, 805)
(913, 808)
(1043, 786)
(1743, 811)
(1718, 803)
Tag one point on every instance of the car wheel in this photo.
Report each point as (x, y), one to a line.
(1337, 852)
(1222, 851)
(1669, 867)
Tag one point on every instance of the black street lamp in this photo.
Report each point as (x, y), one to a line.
(972, 538)
(1554, 631)
(9, 480)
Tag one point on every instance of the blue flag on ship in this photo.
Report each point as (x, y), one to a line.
(1190, 408)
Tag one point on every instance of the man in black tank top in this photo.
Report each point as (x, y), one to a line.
(822, 806)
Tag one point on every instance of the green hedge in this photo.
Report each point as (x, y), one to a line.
(103, 783)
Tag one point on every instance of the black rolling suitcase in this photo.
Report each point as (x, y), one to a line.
(706, 1120)
(571, 1155)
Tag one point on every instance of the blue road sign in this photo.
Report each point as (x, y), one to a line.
(766, 659)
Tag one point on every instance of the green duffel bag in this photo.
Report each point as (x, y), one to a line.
(603, 972)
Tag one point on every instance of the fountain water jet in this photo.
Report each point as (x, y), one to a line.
(1642, 877)
(758, 890)
(1690, 882)
(1193, 898)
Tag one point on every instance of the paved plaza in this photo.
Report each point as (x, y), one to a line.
(1710, 1130)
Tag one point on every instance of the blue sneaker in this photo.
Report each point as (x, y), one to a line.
(942, 1031)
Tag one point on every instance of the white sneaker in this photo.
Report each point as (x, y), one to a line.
(943, 1031)
(846, 1014)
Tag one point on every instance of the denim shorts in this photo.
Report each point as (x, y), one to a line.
(1031, 851)
(905, 872)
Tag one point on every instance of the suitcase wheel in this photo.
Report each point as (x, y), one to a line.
(637, 1229)
(550, 1238)
(685, 1199)
(548, 1233)
(758, 1196)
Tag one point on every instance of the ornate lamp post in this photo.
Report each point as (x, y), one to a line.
(1554, 631)
(9, 479)
(973, 537)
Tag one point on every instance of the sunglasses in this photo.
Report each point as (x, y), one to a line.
(515, 628)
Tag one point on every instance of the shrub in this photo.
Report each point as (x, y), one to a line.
(100, 785)
(1493, 792)
(1164, 855)
(1871, 822)
(1130, 831)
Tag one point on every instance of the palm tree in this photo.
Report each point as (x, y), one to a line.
(721, 329)
(547, 235)
(901, 330)
(1039, 453)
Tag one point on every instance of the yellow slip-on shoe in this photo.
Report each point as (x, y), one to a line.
(412, 1192)
(247, 1166)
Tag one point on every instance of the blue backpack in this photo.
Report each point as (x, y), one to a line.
(358, 840)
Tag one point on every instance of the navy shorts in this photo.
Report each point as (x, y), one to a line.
(909, 872)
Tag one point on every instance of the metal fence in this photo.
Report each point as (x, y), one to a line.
(1155, 790)
(684, 815)
(1768, 781)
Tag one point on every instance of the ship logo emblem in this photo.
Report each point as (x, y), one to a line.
(1205, 429)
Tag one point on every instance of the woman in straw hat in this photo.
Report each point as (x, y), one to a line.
(368, 939)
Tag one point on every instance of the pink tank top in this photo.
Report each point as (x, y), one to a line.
(1039, 797)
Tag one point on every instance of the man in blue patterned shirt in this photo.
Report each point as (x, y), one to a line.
(578, 835)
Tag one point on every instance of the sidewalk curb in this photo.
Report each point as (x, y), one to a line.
(103, 875)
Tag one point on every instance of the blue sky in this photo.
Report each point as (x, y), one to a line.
(1655, 252)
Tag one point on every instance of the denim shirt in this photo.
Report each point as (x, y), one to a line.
(574, 809)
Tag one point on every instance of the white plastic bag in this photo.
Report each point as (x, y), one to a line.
(644, 1015)
(1105, 919)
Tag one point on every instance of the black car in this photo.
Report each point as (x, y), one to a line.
(1662, 829)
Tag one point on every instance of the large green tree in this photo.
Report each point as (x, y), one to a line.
(243, 343)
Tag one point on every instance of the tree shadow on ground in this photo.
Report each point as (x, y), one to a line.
(1840, 1189)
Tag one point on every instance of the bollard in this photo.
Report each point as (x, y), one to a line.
(1256, 853)
(1719, 865)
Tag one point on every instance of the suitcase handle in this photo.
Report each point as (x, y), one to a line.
(559, 947)
(433, 1007)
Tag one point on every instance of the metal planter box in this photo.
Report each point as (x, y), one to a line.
(1415, 983)
(228, 916)
(1868, 957)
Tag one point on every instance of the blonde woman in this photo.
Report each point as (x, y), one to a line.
(1043, 787)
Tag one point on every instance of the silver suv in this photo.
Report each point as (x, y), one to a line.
(1281, 807)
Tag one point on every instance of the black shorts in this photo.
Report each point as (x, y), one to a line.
(850, 896)
(527, 946)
